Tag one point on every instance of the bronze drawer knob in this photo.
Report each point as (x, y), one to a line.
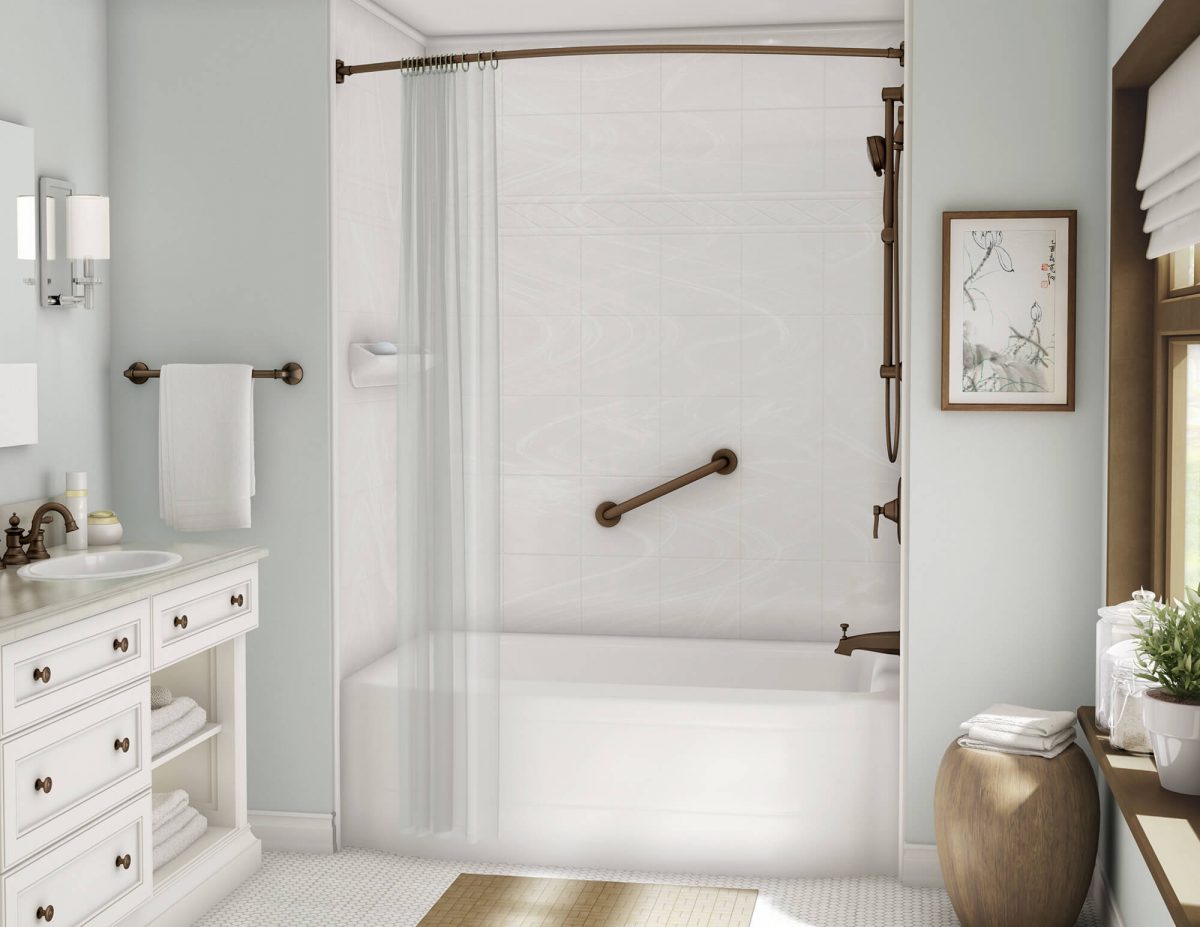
(44, 785)
(236, 600)
(121, 644)
(122, 744)
(123, 862)
(42, 674)
(181, 622)
(46, 913)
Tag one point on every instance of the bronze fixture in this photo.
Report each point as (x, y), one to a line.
(46, 913)
(875, 641)
(465, 59)
(41, 674)
(290, 373)
(889, 510)
(43, 785)
(884, 153)
(121, 644)
(15, 538)
(121, 745)
(236, 600)
(124, 862)
(723, 461)
(181, 622)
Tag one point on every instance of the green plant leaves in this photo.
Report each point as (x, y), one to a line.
(1169, 645)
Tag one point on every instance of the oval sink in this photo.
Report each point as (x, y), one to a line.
(108, 564)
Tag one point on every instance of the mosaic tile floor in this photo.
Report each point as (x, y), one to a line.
(357, 887)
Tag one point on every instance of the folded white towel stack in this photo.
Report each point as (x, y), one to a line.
(177, 825)
(160, 697)
(205, 446)
(1023, 731)
(167, 805)
(175, 723)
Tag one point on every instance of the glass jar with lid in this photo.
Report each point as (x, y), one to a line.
(1116, 629)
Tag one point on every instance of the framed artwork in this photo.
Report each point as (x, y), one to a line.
(1008, 311)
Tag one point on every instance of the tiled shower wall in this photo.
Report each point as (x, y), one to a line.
(690, 260)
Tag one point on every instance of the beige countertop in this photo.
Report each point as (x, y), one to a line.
(30, 606)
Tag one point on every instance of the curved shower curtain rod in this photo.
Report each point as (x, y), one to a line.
(343, 70)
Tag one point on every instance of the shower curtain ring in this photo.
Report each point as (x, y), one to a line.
(479, 60)
(495, 61)
(465, 64)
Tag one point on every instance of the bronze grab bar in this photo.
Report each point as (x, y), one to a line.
(291, 374)
(723, 461)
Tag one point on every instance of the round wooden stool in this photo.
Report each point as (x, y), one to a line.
(1016, 836)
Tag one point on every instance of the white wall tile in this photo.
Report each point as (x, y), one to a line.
(542, 514)
(541, 593)
(702, 152)
(700, 82)
(783, 273)
(620, 356)
(540, 434)
(637, 534)
(847, 521)
(694, 427)
(540, 86)
(782, 150)
(782, 356)
(701, 520)
(541, 155)
(853, 273)
(853, 401)
(780, 516)
(621, 275)
(620, 595)
(782, 82)
(860, 81)
(780, 600)
(701, 356)
(540, 274)
(701, 274)
(699, 598)
(782, 436)
(620, 435)
(540, 355)
(620, 83)
(847, 166)
(621, 153)
(865, 595)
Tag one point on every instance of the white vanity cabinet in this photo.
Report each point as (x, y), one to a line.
(77, 661)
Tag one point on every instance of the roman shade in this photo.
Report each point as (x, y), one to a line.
(1169, 177)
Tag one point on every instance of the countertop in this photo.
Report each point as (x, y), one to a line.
(30, 606)
(1165, 825)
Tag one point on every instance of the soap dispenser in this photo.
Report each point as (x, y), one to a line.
(77, 501)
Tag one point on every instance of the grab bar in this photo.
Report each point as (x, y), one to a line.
(723, 461)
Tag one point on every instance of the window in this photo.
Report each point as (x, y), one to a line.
(1182, 276)
(1183, 465)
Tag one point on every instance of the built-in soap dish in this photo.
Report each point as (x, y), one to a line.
(374, 364)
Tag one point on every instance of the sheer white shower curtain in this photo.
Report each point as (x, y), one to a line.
(449, 456)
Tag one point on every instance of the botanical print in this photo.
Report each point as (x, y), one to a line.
(1008, 337)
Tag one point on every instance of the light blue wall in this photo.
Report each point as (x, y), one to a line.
(1004, 536)
(52, 78)
(220, 164)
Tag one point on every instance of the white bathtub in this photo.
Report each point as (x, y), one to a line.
(738, 757)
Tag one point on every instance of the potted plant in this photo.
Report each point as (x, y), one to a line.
(1169, 645)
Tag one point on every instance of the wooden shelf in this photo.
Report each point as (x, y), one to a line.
(210, 730)
(1165, 825)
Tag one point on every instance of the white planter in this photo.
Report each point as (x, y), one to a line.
(1175, 736)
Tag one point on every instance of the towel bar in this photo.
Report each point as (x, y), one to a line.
(291, 373)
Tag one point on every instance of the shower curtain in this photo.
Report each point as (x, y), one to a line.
(449, 456)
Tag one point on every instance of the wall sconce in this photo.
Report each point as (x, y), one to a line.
(73, 227)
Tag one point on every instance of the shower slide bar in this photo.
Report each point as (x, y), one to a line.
(723, 461)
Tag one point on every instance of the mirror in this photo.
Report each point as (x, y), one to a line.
(18, 300)
(56, 278)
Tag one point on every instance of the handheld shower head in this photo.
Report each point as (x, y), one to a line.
(876, 152)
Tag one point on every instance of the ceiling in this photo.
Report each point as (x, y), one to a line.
(494, 17)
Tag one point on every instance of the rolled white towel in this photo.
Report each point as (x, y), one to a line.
(179, 841)
(177, 731)
(1018, 720)
(174, 824)
(160, 697)
(167, 805)
(1017, 751)
(169, 714)
(982, 734)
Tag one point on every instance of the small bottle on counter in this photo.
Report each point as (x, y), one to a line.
(77, 501)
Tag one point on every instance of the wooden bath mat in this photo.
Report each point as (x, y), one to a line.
(513, 901)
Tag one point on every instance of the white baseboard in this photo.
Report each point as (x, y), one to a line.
(919, 866)
(294, 831)
(1102, 900)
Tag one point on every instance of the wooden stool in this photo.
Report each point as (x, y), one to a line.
(1016, 836)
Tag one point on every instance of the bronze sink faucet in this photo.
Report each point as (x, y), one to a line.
(875, 641)
(15, 538)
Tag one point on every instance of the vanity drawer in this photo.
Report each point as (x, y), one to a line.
(200, 615)
(86, 880)
(62, 774)
(54, 671)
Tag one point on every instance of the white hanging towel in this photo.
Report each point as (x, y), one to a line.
(205, 446)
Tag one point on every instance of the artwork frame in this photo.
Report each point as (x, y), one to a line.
(989, 364)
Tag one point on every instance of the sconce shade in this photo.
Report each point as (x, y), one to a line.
(26, 228)
(87, 227)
